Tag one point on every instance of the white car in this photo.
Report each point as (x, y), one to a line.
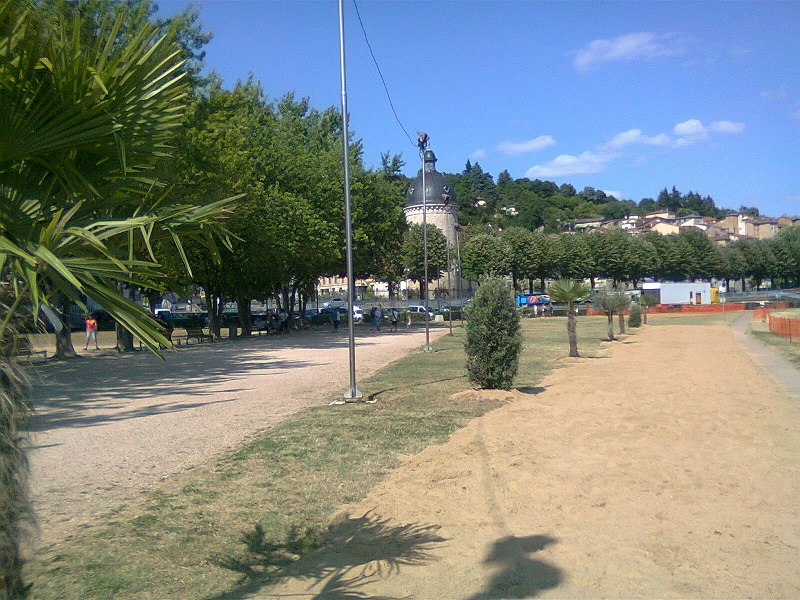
(420, 310)
(358, 314)
(335, 303)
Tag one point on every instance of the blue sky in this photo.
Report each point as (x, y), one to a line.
(628, 97)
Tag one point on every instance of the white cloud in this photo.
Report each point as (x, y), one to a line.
(480, 153)
(635, 136)
(689, 132)
(594, 161)
(567, 164)
(534, 145)
(625, 48)
(616, 193)
(726, 127)
(693, 130)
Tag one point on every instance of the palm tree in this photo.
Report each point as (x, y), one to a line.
(88, 105)
(613, 302)
(569, 291)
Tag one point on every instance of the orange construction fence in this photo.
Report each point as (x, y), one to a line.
(785, 326)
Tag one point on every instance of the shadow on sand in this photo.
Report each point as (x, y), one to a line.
(336, 564)
(520, 576)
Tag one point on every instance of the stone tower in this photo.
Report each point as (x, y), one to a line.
(439, 200)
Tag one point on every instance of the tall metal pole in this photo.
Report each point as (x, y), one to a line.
(427, 347)
(458, 277)
(351, 394)
(449, 288)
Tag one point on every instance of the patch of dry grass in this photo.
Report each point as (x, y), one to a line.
(292, 477)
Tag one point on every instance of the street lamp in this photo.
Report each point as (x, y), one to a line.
(423, 140)
(352, 394)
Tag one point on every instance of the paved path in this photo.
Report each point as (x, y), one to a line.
(769, 359)
(111, 426)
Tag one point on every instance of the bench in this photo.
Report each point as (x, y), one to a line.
(24, 349)
(262, 326)
(198, 334)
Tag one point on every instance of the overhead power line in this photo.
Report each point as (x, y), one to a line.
(385, 87)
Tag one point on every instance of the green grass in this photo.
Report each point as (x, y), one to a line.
(790, 350)
(293, 477)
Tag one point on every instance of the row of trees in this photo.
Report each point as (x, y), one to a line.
(613, 254)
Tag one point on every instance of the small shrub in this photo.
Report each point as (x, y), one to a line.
(635, 317)
(494, 339)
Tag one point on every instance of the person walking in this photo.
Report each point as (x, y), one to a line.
(394, 314)
(336, 318)
(91, 331)
(372, 318)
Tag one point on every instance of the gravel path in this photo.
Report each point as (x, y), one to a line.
(110, 427)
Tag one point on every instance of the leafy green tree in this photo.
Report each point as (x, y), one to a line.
(733, 265)
(379, 226)
(413, 255)
(494, 338)
(786, 249)
(569, 291)
(544, 255)
(522, 250)
(575, 259)
(485, 255)
(88, 104)
(758, 259)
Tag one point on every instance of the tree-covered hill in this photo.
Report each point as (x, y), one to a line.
(535, 203)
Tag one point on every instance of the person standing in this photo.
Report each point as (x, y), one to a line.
(378, 316)
(336, 317)
(394, 316)
(91, 331)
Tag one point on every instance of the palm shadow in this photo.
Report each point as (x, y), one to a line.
(521, 576)
(337, 563)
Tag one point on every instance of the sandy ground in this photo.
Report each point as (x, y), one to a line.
(667, 468)
(111, 426)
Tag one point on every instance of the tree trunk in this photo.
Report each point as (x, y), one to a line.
(611, 337)
(245, 321)
(572, 332)
(644, 314)
(64, 347)
(214, 308)
(622, 322)
(124, 337)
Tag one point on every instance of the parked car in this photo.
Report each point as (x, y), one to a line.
(420, 310)
(448, 308)
(358, 314)
(335, 303)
